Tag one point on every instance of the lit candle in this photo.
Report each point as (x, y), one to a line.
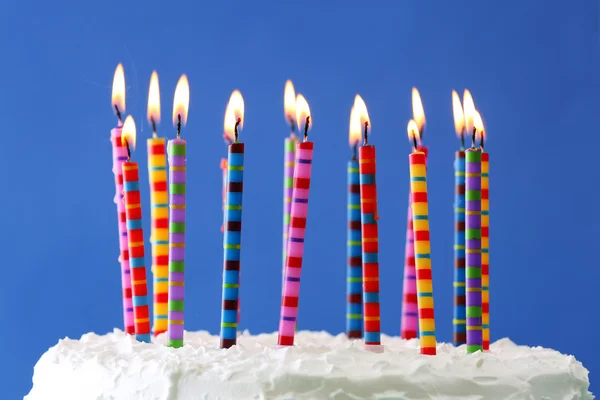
(459, 321)
(119, 154)
(135, 235)
(354, 309)
(410, 314)
(420, 215)
(177, 192)
(159, 203)
(370, 236)
(472, 231)
(289, 148)
(234, 121)
(298, 216)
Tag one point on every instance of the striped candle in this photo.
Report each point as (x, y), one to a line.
(485, 246)
(473, 249)
(370, 244)
(224, 189)
(288, 183)
(459, 321)
(159, 203)
(177, 190)
(354, 312)
(119, 153)
(232, 244)
(295, 246)
(410, 315)
(420, 211)
(135, 236)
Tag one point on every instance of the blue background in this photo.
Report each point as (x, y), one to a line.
(532, 68)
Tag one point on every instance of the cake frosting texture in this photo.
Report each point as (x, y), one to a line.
(321, 366)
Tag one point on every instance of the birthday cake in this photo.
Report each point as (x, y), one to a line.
(320, 366)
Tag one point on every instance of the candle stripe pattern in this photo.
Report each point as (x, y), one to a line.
(420, 211)
(485, 247)
(177, 194)
(288, 183)
(295, 246)
(135, 236)
(473, 249)
(159, 237)
(410, 310)
(370, 245)
(224, 190)
(119, 153)
(232, 245)
(354, 311)
(460, 313)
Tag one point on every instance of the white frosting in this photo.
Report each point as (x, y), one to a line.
(320, 366)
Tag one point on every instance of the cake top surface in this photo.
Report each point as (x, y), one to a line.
(320, 365)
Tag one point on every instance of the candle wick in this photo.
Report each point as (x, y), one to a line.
(154, 134)
(354, 150)
(462, 140)
(414, 136)
(366, 140)
(292, 127)
(235, 130)
(481, 142)
(178, 126)
(128, 149)
(306, 125)
(473, 137)
(118, 114)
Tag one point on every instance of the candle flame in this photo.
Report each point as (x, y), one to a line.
(154, 99)
(478, 124)
(128, 134)
(363, 115)
(413, 131)
(289, 102)
(355, 127)
(469, 111)
(181, 100)
(118, 89)
(303, 113)
(418, 111)
(233, 112)
(459, 116)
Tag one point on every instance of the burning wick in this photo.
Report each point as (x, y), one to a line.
(355, 150)
(178, 126)
(128, 150)
(154, 134)
(306, 125)
(235, 130)
(118, 114)
(366, 140)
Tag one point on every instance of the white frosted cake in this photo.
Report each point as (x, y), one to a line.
(320, 366)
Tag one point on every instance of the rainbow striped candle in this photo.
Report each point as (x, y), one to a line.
(119, 153)
(232, 244)
(459, 321)
(420, 211)
(354, 315)
(473, 249)
(293, 264)
(485, 246)
(159, 203)
(288, 183)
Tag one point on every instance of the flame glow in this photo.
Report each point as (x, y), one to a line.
(413, 130)
(355, 127)
(233, 112)
(154, 99)
(118, 89)
(302, 113)
(418, 111)
(289, 102)
(181, 100)
(361, 109)
(478, 124)
(459, 116)
(469, 111)
(128, 134)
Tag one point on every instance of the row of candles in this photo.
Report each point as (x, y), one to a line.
(168, 203)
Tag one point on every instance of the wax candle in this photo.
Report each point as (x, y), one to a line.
(289, 150)
(354, 309)
(223, 190)
(119, 155)
(135, 236)
(177, 149)
(459, 320)
(409, 315)
(159, 203)
(420, 211)
(485, 239)
(370, 236)
(234, 119)
(298, 218)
